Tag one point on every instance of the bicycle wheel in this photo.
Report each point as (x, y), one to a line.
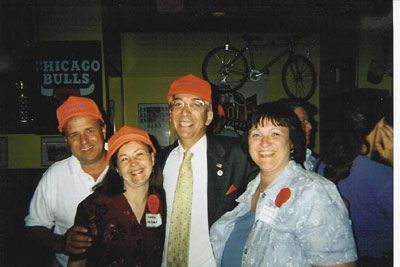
(226, 69)
(298, 77)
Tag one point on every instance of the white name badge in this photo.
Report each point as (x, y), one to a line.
(153, 220)
(268, 214)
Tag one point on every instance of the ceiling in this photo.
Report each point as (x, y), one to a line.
(240, 15)
(18, 19)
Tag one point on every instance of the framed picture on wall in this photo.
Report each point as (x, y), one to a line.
(154, 118)
(3, 152)
(54, 148)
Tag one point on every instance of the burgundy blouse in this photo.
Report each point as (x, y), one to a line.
(118, 238)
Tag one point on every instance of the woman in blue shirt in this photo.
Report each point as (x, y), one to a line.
(287, 216)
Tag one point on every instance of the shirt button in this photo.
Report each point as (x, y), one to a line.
(263, 195)
(245, 251)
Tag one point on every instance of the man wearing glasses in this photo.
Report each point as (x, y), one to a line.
(219, 173)
(304, 111)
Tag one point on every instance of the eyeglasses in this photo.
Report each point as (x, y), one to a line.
(196, 105)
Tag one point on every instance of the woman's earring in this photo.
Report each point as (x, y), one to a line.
(291, 153)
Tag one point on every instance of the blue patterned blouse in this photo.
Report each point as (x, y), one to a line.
(311, 228)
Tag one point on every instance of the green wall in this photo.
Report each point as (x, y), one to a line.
(23, 151)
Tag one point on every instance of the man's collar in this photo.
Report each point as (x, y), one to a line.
(201, 143)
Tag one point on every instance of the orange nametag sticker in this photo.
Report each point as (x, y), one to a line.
(153, 203)
(282, 197)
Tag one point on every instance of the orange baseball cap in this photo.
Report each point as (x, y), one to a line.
(77, 106)
(125, 135)
(190, 84)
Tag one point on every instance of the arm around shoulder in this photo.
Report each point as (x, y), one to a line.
(46, 238)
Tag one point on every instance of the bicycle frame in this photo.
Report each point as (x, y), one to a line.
(249, 48)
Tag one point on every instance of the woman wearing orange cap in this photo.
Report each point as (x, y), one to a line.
(126, 213)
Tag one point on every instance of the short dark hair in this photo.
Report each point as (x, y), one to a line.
(293, 103)
(280, 115)
(361, 113)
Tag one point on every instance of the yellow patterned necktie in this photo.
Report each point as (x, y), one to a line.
(179, 230)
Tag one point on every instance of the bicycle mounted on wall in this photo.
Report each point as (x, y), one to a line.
(228, 68)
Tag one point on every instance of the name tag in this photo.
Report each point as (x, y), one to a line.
(268, 214)
(153, 220)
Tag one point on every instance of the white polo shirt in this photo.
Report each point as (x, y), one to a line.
(63, 186)
(200, 251)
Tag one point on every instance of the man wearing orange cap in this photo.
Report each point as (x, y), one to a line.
(220, 172)
(68, 182)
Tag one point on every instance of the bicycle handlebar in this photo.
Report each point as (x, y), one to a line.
(291, 37)
(249, 38)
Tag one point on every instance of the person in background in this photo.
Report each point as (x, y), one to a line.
(68, 182)
(382, 147)
(125, 215)
(365, 184)
(384, 143)
(305, 112)
(288, 216)
(216, 170)
(220, 127)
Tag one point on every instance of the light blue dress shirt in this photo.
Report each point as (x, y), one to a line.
(309, 163)
(311, 228)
